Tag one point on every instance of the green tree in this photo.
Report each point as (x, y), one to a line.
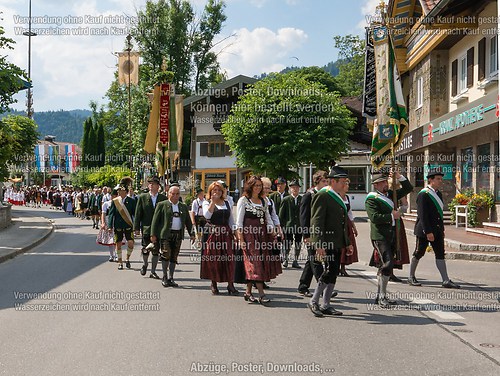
(169, 29)
(87, 124)
(317, 74)
(18, 137)
(92, 145)
(205, 60)
(10, 74)
(285, 121)
(101, 149)
(350, 64)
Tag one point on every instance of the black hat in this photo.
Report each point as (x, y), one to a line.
(435, 171)
(199, 190)
(281, 180)
(294, 183)
(175, 184)
(337, 172)
(378, 177)
(154, 179)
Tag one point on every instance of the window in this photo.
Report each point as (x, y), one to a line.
(357, 176)
(462, 74)
(466, 168)
(420, 92)
(483, 167)
(218, 149)
(493, 56)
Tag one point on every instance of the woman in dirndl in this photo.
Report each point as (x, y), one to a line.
(256, 239)
(218, 261)
(105, 236)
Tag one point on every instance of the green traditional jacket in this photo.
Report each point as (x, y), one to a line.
(289, 213)
(162, 220)
(276, 197)
(144, 212)
(380, 212)
(328, 221)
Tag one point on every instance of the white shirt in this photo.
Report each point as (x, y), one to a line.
(207, 214)
(240, 210)
(274, 215)
(154, 198)
(176, 221)
(197, 206)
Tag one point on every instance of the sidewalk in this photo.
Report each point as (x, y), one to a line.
(459, 244)
(24, 233)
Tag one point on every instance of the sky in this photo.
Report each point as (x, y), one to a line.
(68, 71)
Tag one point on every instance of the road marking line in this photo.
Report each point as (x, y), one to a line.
(36, 227)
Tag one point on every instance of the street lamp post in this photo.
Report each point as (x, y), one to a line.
(29, 100)
(29, 34)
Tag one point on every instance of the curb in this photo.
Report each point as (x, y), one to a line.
(469, 252)
(30, 246)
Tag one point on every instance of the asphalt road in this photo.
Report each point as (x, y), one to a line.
(91, 319)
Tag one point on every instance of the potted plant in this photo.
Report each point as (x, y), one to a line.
(478, 206)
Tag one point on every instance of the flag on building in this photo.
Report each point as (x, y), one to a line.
(391, 120)
(71, 158)
(40, 157)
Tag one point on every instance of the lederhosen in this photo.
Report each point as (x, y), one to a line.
(171, 247)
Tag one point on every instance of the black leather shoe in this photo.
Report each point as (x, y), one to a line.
(330, 311)
(171, 283)
(449, 284)
(144, 269)
(315, 309)
(305, 293)
(385, 303)
(335, 293)
(127, 264)
(296, 265)
(412, 281)
(164, 282)
(120, 266)
(154, 275)
(393, 278)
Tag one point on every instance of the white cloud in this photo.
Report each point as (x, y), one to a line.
(368, 10)
(73, 67)
(260, 50)
(258, 3)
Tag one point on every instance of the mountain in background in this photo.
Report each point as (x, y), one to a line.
(331, 67)
(67, 126)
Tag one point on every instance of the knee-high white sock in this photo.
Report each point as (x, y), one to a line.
(327, 294)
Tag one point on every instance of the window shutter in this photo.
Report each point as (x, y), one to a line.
(470, 67)
(204, 149)
(481, 59)
(454, 78)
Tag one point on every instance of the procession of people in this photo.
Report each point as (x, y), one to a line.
(253, 244)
